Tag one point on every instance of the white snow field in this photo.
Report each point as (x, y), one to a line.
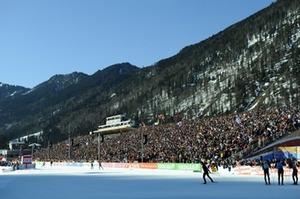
(60, 182)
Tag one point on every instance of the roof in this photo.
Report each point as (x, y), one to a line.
(288, 141)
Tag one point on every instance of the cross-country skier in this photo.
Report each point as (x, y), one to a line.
(279, 166)
(295, 172)
(266, 167)
(100, 165)
(205, 171)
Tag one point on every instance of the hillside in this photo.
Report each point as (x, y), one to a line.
(253, 64)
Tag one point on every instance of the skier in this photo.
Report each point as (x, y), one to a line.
(295, 172)
(100, 165)
(279, 166)
(92, 164)
(206, 172)
(266, 166)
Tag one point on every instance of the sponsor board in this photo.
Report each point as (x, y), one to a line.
(178, 166)
(166, 166)
(75, 164)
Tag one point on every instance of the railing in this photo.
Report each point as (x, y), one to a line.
(257, 146)
(127, 123)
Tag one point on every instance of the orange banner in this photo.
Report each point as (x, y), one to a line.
(136, 165)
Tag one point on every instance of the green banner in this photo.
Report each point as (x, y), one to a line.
(40, 163)
(179, 166)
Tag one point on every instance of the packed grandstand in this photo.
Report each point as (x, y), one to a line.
(224, 140)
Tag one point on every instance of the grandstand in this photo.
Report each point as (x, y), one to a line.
(219, 139)
(115, 124)
(287, 147)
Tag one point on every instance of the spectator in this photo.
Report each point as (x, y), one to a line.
(223, 140)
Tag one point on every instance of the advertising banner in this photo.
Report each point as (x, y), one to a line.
(75, 164)
(114, 165)
(26, 159)
(136, 165)
(179, 166)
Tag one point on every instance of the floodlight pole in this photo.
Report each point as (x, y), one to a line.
(32, 151)
(48, 150)
(20, 152)
(69, 153)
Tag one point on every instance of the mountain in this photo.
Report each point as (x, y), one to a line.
(17, 102)
(9, 91)
(60, 96)
(253, 64)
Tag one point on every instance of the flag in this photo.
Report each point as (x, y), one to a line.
(142, 125)
(199, 113)
(68, 142)
(238, 119)
(179, 124)
(163, 117)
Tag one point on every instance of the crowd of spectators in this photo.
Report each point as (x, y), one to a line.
(218, 139)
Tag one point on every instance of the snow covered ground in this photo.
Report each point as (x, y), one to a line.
(58, 182)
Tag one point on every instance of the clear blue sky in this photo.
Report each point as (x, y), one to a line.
(41, 38)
